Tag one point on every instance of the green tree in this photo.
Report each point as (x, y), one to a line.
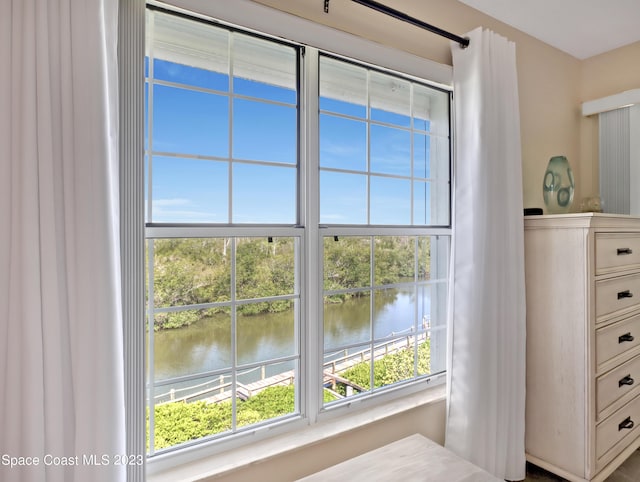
(197, 271)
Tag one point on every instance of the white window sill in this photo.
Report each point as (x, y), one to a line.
(230, 461)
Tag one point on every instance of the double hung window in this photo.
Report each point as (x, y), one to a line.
(257, 244)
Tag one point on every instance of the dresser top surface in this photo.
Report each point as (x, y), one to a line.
(604, 221)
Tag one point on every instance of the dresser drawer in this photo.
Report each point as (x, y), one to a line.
(624, 423)
(616, 294)
(614, 251)
(616, 383)
(615, 339)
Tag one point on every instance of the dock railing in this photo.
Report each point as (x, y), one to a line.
(221, 388)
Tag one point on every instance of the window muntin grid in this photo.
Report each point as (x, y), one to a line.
(384, 300)
(234, 94)
(388, 134)
(214, 98)
(225, 287)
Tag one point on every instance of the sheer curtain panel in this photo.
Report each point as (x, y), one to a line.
(486, 372)
(61, 368)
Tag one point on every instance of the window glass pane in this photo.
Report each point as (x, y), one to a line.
(189, 190)
(431, 203)
(347, 264)
(183, 74)
(343, 87)
(343, 143)
(346, 108)
(405, 334)
(390, 99)
(188, 52)
(422, 203)
(182, 415)
(439, 159)
(343, 198)
(431, 110)
(390, 150)
(264, 132)
(425, 307)
(390, 201)
(421, 156)
(266, 335)
(433, 257)
(146, 116)
(264, 194)
(422, 102)
(438, 257)
(398, 361)
(435, 320)
(265, 267)
(424, 257)
(264, 69)
(394, 259)
(261, 90)
(348, 371)
(146, 188)
(346, 321)
(406, 136)
(256, 403)
(394, 313)
(440, 196)
(190, 122)
(191, 271)
(204, 345)
(188, 271)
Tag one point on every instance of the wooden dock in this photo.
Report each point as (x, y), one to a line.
(331, 375)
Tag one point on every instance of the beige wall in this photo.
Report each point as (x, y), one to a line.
(604, 75)
(611, 73)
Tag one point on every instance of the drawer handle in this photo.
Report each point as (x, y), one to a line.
(625, 294)
(626, 423)
(625, 337)
(625, 381)
(622, 251)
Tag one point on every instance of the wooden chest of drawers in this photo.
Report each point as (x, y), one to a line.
(583, 343)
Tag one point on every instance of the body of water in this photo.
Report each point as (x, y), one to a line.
(207, 344)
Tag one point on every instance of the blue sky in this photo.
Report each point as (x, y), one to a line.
(194, 139)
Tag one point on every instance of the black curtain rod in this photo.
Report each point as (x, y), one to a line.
(464, 42)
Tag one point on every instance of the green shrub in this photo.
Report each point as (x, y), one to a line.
(179, 422)
(389, 369)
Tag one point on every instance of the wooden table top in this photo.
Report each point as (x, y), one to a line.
(414, 458)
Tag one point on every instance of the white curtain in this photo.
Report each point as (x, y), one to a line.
(61, 369)
(486, 372)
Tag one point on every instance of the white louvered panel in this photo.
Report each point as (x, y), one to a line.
(131, 26)
(634, 158)
(614, 161)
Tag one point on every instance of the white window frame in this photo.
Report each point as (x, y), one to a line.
(161, 229)
(268, 21)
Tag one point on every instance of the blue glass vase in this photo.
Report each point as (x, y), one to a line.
(558, 185)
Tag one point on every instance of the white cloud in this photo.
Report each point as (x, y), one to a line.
(170, 202)
(178, 210)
